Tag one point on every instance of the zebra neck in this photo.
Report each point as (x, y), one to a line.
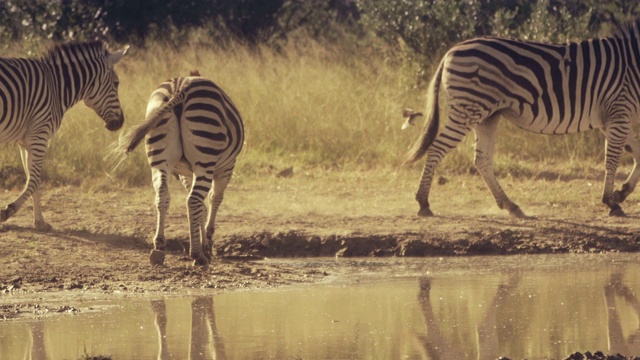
(71, 81)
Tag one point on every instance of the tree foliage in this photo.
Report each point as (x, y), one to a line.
(252, 21)
(425, 28)
(431, 27)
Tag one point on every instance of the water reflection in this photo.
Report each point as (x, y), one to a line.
(160, 311)
(434, 344)
(458, 311)
(205, 341)
(37, 348)
(614, 291)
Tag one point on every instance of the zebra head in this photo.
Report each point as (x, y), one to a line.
(102, 96)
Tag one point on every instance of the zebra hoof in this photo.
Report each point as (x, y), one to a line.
(156, 257)
(517, 213)
(617, 211)
(201, 261)
(425, 212)
(6, 213)
(42, 225)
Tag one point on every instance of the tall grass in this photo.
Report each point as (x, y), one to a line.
(305, 105)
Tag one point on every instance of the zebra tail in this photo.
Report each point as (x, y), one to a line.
(132, 139)
(432, 123)
(120, 150)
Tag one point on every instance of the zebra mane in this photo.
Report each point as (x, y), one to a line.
(72, 47)
(628, 30)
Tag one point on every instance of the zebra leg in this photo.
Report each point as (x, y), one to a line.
(38, 219)
(195, 210)
(616, 138)
(446, 141)
(163, 199)
(215, 199)
(485, 147)
(633, 147)
(186, 181)
(33, 168)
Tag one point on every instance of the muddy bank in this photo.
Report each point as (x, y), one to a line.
(86, 261)
(598, 355)
(101, 239)
(492, 242)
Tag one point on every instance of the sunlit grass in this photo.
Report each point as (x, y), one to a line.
(305, 105)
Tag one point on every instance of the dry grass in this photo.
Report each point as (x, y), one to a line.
(307, 106)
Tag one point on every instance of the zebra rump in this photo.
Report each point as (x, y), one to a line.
(194, 132)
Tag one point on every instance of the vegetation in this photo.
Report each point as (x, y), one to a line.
(319, 84)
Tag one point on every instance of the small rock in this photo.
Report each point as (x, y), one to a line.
(286, 173)
(73, 285)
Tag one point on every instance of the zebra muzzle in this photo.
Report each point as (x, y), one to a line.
(113, 125)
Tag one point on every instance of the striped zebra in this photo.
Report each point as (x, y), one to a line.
(194, 131)
(543, 88)
(35, 94)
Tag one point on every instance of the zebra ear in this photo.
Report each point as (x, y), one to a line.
(114, 57)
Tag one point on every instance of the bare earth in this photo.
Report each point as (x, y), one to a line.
(101, 234)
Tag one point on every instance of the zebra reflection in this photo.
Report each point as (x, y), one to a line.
(435, 344)
(614, 291)
(205, 341)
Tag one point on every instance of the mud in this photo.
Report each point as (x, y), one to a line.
(100, 241)
(599, 355)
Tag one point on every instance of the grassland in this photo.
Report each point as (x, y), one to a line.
(305, 105)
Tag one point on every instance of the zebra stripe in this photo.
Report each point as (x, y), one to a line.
(543, 88)
(35, 94)
(193, 131)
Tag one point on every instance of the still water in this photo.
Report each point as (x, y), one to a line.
(530, 307)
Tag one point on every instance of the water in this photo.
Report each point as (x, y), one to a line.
(531, 307)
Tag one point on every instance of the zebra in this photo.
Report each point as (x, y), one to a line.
(541, 87)
(36, 92)
(194, 131)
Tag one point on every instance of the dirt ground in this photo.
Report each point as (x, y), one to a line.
(101, 235)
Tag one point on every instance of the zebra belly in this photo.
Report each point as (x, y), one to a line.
(13, 129)
(10, 137)
(473, 104)
(543, 125)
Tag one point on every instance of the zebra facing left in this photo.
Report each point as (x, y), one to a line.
(545, 88)
(35, 93)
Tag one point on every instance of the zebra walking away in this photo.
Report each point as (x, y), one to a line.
(194, 131)
(35, 94)
(543, 88)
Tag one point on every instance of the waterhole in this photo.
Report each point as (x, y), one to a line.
(533, 307)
